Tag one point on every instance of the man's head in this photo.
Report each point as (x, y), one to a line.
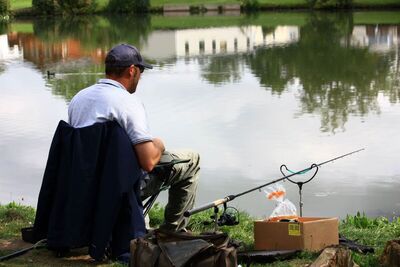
(125, 64)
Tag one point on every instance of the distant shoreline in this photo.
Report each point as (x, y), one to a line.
(221, 8)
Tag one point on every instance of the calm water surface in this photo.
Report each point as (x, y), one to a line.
(248, 92)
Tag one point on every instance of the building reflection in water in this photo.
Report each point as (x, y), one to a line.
(161, 45)
(380, 39)
(42, 53)
(211, 41)
(376, 38)
(9, 51)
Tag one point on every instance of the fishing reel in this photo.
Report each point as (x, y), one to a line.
(229, 217)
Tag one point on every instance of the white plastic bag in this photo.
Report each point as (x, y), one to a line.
(284, 207)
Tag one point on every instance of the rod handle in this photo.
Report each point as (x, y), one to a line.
(215, 203)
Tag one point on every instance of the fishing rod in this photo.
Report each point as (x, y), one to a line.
(226, 199)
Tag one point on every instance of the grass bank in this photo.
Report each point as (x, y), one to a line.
(371, 17)
(373, 232)
(264, 19)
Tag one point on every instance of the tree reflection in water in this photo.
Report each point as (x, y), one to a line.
(222, 69)
(94, 36)
(336, 79)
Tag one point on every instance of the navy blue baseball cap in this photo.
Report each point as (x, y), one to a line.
(124, 55)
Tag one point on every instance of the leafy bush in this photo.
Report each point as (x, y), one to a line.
(319, 4)
(4, 7)
(13, 217)
(3, 28)
(51, 7)
(250, 5)
(45, 7)
(76, 6)
(129, 6)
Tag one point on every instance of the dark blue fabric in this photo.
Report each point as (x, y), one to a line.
(90, 191)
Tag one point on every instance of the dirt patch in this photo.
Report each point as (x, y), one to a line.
(44, 257)
(15, 244)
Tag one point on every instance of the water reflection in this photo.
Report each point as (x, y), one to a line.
(6, 52)
(337, 79)
(244, 83)
(214, 41)
(376, 38)
(340, 68)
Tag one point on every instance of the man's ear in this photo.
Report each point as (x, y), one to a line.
(132, 71)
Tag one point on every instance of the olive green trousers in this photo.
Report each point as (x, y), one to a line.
(181, 181)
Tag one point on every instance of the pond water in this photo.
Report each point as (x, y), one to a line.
(249, 93)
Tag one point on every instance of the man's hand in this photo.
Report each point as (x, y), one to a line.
(149, 153)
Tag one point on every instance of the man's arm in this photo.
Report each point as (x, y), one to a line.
(149, 153)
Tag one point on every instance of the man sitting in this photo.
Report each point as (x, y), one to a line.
(113, 99)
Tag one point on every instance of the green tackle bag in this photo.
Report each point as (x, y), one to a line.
(167, 249)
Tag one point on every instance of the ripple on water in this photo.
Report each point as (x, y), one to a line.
(324, 194)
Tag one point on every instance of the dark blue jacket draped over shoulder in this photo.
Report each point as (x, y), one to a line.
(90, 194)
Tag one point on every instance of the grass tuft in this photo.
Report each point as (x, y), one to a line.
(13, 217)
(373, 232)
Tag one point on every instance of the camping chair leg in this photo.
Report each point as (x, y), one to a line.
(149, 204)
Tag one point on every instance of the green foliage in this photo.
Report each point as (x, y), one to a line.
(45, 7)
(156, 215)
(250, 5)
(361, 221)
(320, 4)
(19, 4)
(370, 231)
(4, 7)
(13, 217)
(77, 6)
(3, 27)
(129, 6)
(51, 7)
(373, 232)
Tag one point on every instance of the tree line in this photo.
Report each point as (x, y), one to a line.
(54, 7)
(57, 7)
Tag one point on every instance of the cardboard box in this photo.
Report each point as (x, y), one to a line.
(309, 233)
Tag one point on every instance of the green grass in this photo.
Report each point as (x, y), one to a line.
(18, 4)
(13, 217)
(389, 17)
(373, 232)
(21, 27)
(375, 2)
(242, 232)
(102, 4)
(283, 3)
(200, 21)
(160, 3)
